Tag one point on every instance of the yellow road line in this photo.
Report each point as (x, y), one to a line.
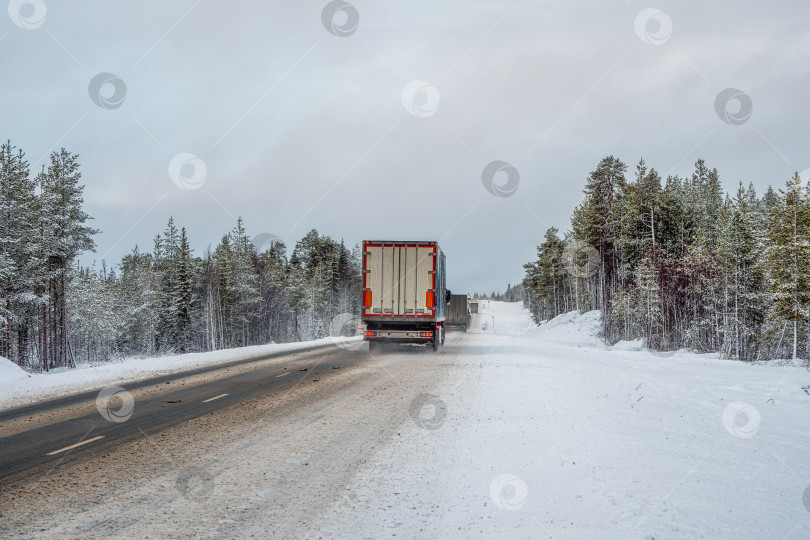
(213, 398)
(72, 446)
(282, 375)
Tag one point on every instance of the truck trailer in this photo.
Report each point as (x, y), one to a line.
(458, 313)
(404, 293)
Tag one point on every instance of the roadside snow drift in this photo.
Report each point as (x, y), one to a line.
(10, 372)
(18, 387)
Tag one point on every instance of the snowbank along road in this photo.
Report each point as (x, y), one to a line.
(524, 432)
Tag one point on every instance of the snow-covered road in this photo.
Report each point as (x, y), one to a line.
(550, 435)
(524, 433)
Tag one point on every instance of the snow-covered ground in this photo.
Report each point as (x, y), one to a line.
(524, 432)
(18, 387)
(550, 434)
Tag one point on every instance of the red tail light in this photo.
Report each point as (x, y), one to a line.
(371, 333)
(427, 334)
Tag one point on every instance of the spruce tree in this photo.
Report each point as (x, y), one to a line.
(738, 257)
(184, 293)
(21, 272)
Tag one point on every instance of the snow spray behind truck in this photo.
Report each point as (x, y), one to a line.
(404, 293)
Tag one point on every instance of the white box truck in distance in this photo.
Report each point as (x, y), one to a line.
(404, 293)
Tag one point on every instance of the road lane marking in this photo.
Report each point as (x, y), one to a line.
(213, 398)
(282, 375)
(72, 446)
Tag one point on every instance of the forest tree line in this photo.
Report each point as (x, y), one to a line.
(512, 294)
(681, 264)
(56, 313)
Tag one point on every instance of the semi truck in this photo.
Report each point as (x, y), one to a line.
(404, 293)
(458, 313)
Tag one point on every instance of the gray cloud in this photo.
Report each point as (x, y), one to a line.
(301, 129)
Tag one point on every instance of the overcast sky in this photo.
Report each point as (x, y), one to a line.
(300, 120)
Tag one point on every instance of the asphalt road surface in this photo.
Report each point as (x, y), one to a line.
(289, 429)
(167, 401)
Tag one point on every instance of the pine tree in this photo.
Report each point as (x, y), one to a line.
(597, 222)
(710, 199)
(64, 237)
(788, 256)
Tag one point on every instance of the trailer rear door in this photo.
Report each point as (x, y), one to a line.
(399, 280)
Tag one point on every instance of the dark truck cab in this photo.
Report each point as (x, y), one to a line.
(458, 313)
